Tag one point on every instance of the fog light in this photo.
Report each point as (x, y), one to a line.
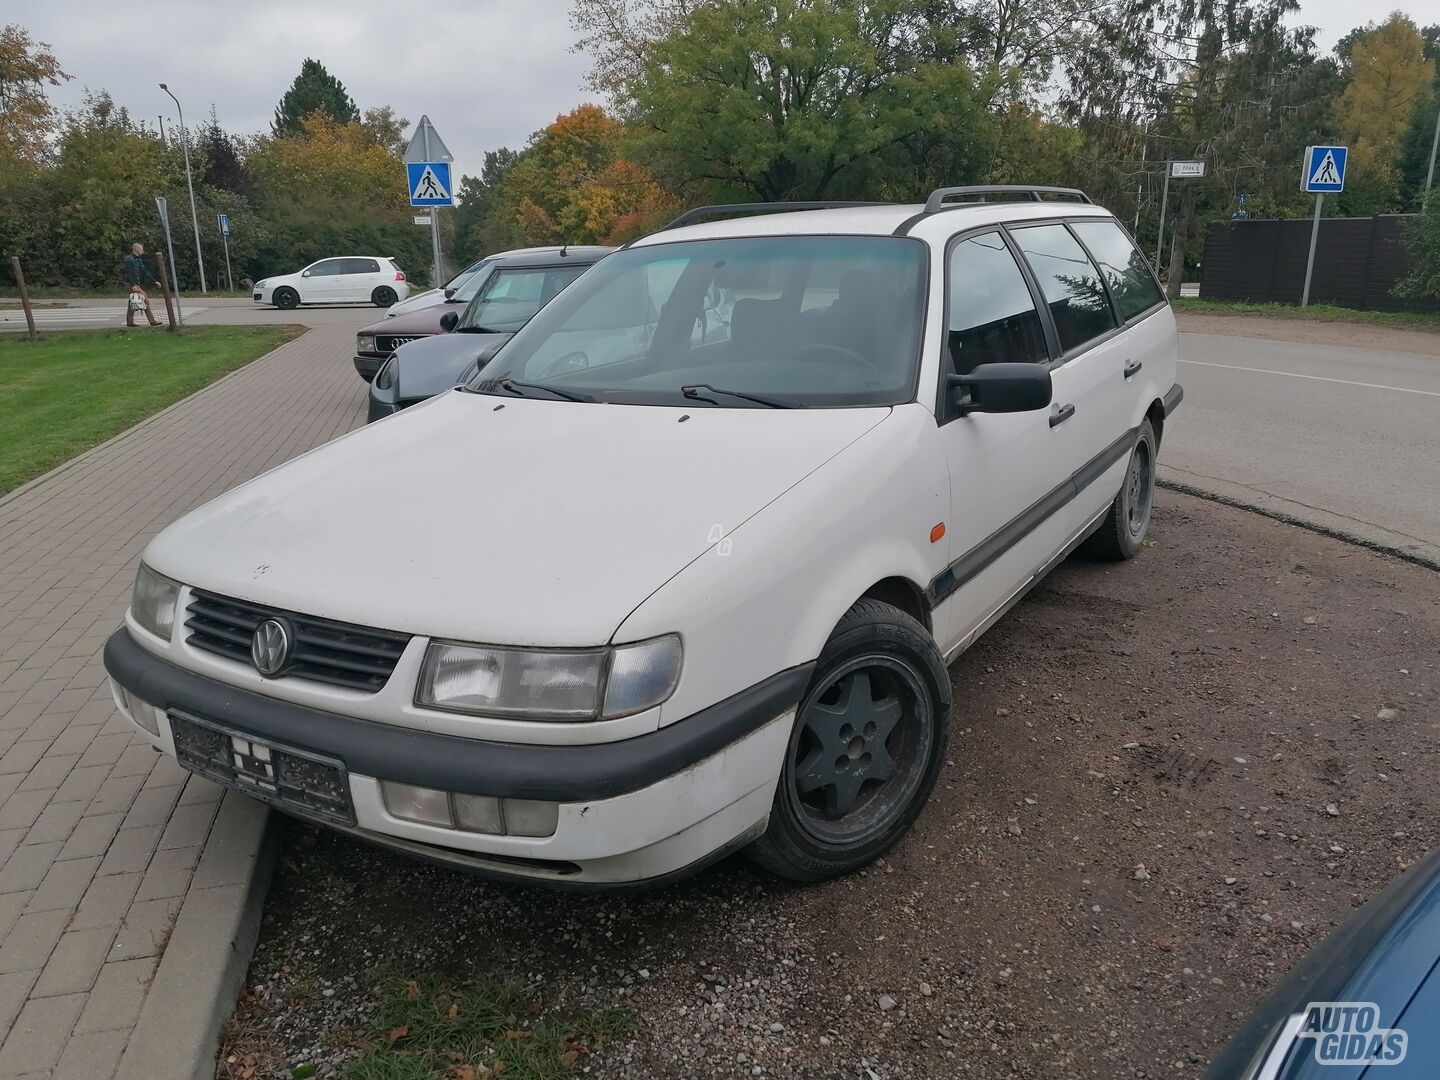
(479, 813)
(143, 713)
(422, 804)
(526, 818)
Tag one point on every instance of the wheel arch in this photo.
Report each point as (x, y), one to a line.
(1156, 415)
(899, 591)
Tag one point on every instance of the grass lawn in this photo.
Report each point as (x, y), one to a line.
(65, 393)
(1315, 312)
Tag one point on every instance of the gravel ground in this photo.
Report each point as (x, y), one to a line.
(1169, 779)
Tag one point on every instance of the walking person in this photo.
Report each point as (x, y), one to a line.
(137, 276)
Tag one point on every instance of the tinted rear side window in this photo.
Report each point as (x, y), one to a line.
(1070, 282)
(992, 314)
(1126, 272)
(361, 266)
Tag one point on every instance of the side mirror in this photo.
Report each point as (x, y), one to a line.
(449, 294)
(449, 321)
(1000, 388)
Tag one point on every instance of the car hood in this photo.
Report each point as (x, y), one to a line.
(434, 364)
(417, 302)
(424, 321)
(504, 520)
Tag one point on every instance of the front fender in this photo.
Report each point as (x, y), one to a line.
(767, 596)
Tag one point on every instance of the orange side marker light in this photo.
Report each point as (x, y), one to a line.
(937, 533)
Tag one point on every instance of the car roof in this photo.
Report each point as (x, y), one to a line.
(882, 220)
(582, 255)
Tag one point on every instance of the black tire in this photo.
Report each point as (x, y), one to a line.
(384, 296)
(822, 830)
(286, 298)
(1122, 533)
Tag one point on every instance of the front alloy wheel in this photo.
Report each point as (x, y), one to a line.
(865, 750)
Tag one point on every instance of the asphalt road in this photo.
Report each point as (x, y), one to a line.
(1338, 436)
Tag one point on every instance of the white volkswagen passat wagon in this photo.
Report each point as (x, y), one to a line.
(680, 570)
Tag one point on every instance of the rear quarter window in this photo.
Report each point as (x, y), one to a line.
(1126, 272)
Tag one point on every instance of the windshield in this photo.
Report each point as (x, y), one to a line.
(508, 298)
(748, 322)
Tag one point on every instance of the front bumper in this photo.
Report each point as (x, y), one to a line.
(638, 809)
(367, 365)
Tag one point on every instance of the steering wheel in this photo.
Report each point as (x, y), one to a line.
(571, 361)
(811, 351)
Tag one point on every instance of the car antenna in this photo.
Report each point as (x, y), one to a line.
(564, 244)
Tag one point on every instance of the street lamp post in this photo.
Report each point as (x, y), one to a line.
(189, 184)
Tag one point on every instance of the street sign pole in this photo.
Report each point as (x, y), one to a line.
(1430, 176)
(224, 220)
(1310, 260)
(1164, 201)
(434, 218)
(1322, 172)
(162, 207)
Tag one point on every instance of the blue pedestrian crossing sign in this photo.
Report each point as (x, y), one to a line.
(429, 183)
(1323, 170)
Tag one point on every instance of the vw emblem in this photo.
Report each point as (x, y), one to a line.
(270, 647)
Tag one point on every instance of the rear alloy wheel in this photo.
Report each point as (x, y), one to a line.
(866, 748)
(1122, 533)
(286, 298)
(384, 296)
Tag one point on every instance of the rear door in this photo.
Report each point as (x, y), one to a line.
(358, 279)
(1088, 379)
(1008, 471)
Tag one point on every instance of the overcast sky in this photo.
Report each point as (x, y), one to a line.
(488, 72)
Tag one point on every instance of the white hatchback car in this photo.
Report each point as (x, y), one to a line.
(363, 279)
(679, 571)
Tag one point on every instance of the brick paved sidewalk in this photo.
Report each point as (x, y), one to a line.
(99, 835)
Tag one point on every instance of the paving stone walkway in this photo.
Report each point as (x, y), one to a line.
(100, 836)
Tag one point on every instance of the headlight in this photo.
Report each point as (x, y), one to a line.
(364, 342)
(550, 684)
(153, 602)
(261, 284)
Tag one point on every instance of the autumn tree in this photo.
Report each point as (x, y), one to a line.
(1389, 76)
(572, 185)
(27, 118)
(314, 90)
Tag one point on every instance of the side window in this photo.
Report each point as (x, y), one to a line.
(1126, 272)
(992, 314)
(327, 268)
(1070, 282)
(360, 266)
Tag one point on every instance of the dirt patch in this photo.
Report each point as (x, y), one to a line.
(1207, 712)
(1313, 332)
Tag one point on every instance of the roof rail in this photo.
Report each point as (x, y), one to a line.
(937, 198)
(758, 208)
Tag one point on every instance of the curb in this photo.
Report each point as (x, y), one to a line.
(193, 991)
(1380, 547)
(81, 458)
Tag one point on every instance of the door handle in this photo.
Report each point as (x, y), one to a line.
(1132, 367)
(1060, 415)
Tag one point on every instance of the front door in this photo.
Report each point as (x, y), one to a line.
(1007, 471)
(321, 281)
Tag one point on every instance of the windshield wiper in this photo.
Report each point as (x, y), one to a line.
(478, 330)
(693, 391)
(514, 386)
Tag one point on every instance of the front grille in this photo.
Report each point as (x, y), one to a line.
(356, 657)
(386, 344)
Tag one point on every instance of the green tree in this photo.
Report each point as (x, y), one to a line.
(314, 89)
(805, 99)
(27, 118)
(1422, 283)
(386, 128)
(481, 226)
